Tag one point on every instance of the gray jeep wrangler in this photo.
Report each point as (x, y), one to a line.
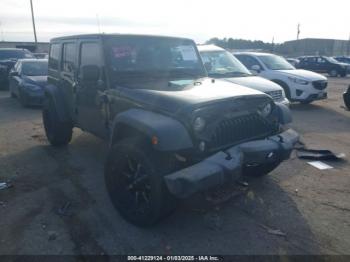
(172, 130)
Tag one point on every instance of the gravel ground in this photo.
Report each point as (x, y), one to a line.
(297, 209)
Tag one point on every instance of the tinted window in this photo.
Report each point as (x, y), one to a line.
(15, 54)
(68, 61)
(90, 54)
(275, 62)
(54, 56)
(248, 61)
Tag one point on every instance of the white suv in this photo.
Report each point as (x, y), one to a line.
(299, 85)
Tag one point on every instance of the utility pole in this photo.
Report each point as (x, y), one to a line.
(98, 23)
(298, 31)
(31, 7)
(2, 32)
(348, 51)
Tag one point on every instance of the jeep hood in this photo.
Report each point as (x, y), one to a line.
(255, 82)
(304, 74)
(194, 95)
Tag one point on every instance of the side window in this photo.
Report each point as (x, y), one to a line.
(68, 57)
(248, 61)
(320, 60)
(54, 56)
(90, 54)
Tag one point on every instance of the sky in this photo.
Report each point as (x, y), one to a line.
(200, 20)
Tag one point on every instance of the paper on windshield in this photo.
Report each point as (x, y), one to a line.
(188, 53)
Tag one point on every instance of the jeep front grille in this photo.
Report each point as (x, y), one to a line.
(320, 85)
(276, 95)
(239, 129)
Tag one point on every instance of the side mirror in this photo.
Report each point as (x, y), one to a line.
(14, 73)
(256, 68)
(90, 73)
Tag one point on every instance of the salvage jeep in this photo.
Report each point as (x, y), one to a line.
(172, 131)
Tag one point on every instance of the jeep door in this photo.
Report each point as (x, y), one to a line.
(90, 88)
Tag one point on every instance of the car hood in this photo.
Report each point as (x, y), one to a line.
(255, 82)
(35, 80)
(191, 96)
(304, 74)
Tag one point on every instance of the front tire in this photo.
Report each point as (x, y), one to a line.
(57, 132)
(134, 180)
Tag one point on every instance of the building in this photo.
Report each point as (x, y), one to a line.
(40, 47)
(315, 46)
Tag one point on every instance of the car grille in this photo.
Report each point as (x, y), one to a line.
(320, 85)
(276, 95)
(242, 128)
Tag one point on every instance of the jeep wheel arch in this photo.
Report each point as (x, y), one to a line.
(171, 134)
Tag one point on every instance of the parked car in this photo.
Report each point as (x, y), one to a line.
(299, 85)
(343, 59)
(8, 58)
(223, 65)
(293, 61)
(324, 64)
(41, 55)
(27, 81)
(172, 131)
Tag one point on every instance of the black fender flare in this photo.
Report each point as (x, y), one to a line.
(283, 114)
(57, 96)
(171, 134)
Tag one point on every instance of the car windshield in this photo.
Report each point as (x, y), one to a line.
(223, 64)
(274, 62)
(14, 54)
(330, 59)
(37, 68)
(133, 58)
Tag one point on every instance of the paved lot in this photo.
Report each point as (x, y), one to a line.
(311, 207)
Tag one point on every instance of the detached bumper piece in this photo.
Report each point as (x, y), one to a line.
(227, 165)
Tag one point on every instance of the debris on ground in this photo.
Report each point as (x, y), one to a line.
(276, 232)
(213, 221)
(313, 154)
(242, 182)
(5, 185)
(320, 165)
(65, 209)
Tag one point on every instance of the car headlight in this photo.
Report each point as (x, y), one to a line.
(199, 124)
(32, 87)
(298, 81)
(265, 110)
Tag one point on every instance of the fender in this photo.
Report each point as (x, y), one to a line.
(57, 97)
(283, 113)
(171, 134)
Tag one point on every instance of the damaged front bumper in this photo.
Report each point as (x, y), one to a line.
(227, 165)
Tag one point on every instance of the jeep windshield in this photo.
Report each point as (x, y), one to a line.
(223, 64)
(140, 59)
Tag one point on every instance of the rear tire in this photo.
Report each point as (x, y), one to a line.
(57, 132)
(134, 180)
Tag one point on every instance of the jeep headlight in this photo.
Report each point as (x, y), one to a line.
(199, 124)
(298, 81)
(265, 110)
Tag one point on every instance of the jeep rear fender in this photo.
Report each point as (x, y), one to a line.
(57, 97)
(170, 133)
